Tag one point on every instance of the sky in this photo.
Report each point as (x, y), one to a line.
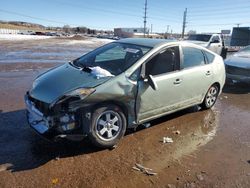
(163, 15)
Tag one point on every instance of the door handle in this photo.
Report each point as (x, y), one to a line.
(208, 73)
(177, 81)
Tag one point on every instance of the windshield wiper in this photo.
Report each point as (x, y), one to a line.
(86, 69)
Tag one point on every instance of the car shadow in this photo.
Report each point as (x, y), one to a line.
(166, 118)
(236, 88)
(22, 149)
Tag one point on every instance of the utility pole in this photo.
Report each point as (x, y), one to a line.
(151, 28)
(145, 17)
(168, 28)
(184, 23)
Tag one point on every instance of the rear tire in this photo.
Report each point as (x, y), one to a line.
(108, 126)
(211, 97)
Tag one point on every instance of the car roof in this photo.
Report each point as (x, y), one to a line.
(145, 41)
(153, 43)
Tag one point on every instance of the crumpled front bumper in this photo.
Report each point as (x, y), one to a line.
(37, 120)
(50, 128)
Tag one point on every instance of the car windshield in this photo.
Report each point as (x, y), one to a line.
(114, 57)
(204, 38)
(245, 52)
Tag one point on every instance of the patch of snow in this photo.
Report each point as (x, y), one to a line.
(100, 72)
(22, 37)
(87, 41)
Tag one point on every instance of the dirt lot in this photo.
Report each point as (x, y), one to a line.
(212, 149)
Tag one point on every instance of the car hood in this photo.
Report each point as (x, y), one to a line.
(201, 43)
(53, 84)
(238, 61)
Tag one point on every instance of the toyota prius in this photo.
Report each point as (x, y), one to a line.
(121, 85)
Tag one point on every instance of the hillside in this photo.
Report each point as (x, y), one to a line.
(21, 26)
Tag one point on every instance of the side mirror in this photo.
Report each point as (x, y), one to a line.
(152, 82)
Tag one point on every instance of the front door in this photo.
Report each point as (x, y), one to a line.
(164, 67)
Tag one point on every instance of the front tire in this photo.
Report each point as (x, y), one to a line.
(211, 97)
(108, 126)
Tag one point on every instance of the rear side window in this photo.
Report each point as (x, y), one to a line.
(210, 57)
(216, 39)
(192, 57)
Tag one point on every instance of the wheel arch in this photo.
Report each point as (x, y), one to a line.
(121, 105)
(218, 85)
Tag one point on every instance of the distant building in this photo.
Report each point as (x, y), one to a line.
(9, 31)
(240, 36)
(134, 33)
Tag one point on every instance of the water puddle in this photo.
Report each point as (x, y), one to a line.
(196, 130)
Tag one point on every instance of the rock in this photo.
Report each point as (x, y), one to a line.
(190, 185)
(177, 132)
(57, 158)
(54, 181)
(200, 177)
(167, 140)
(171, 186)
(5, 167)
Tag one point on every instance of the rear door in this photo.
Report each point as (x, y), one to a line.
(196, 75)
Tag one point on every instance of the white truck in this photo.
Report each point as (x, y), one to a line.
(213, 42)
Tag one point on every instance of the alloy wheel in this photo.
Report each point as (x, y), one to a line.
(211, 96)
(108, 125)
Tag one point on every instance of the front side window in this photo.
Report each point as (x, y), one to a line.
(114, 57)
(192, 57)
(164, 62)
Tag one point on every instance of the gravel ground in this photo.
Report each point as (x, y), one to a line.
(212, 149)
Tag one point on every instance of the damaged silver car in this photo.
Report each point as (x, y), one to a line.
(121, 85)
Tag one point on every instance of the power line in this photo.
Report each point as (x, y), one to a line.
(220, 11)
(47, 20)
(222, 4)
(95, 9)
(227, 14)
(33, 17)
(218, 24)
(79, 6)
(217, 17)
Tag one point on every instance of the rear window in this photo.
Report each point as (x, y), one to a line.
(204, 38)
(210, 57)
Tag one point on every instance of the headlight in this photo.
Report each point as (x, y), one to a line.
(81, 92)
